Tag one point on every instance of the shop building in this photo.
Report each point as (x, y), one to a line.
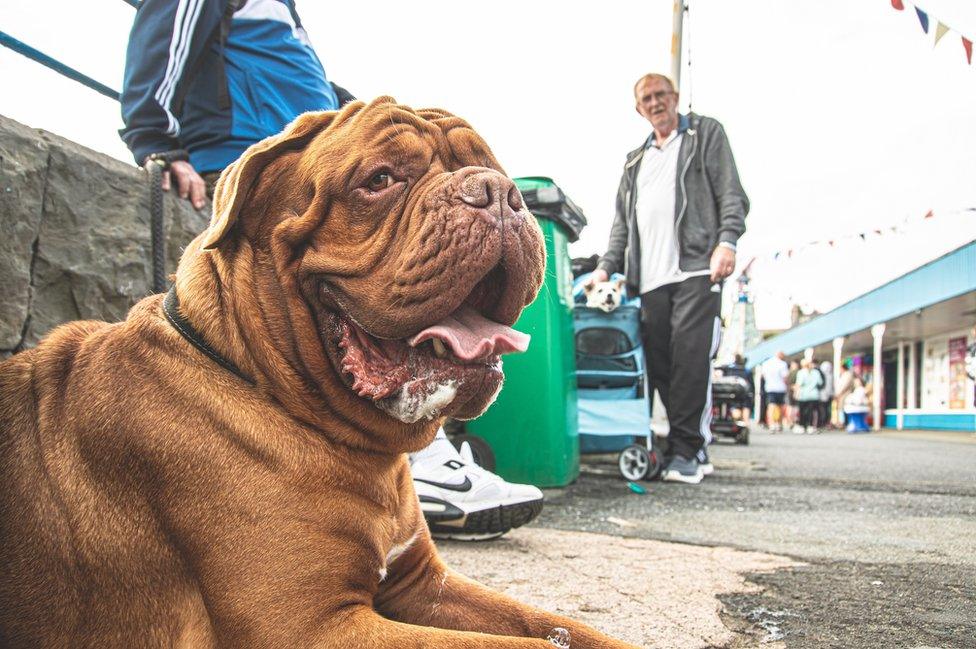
(913, 332)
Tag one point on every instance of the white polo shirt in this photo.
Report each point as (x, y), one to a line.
(655, 210)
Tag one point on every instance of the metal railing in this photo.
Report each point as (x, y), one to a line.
(48, 61)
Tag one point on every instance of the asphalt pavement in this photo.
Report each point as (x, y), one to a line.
(884, 526)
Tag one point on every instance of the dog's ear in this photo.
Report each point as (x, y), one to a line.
(620, 284)
(237, 180)
(588, 288)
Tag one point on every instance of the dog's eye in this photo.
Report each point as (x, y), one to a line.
(379, 181)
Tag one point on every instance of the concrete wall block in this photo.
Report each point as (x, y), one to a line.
(88, 241)
(23, 167)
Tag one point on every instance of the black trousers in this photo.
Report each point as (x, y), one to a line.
(823, 417)
(681, 330)
(809, 413)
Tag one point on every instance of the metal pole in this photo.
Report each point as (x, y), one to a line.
(676, 30)
(23, 48)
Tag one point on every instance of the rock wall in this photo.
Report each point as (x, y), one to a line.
(74, 234)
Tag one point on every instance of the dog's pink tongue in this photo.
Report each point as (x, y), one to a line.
(471, 335)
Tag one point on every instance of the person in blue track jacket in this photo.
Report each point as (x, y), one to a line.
(213, 77)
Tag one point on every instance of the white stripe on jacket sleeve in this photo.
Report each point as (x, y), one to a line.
(184, 23)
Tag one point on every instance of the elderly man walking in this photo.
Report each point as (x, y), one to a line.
(680, 212)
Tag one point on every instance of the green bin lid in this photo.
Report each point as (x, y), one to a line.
(547, 201)
(526, 183)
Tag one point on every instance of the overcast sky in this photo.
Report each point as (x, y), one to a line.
(842, 116)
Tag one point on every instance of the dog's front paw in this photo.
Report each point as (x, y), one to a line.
(559, 637)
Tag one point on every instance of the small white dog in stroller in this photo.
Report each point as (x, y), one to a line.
(605, 296)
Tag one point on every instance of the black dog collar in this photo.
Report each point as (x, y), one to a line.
(171, 307)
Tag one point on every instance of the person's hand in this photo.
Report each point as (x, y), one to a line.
(189, 184)
(722, 264)
(599, 275)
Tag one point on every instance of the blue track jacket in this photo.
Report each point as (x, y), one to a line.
(233, 94)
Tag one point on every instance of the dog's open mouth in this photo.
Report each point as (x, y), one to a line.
(452, 366)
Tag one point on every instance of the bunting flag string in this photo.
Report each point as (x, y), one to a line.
(941, 29)
(924, 19)
(897, 228)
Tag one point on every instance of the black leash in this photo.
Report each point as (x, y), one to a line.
(171, 307)
(156, 164)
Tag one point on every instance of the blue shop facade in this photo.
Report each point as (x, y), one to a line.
(913, 333)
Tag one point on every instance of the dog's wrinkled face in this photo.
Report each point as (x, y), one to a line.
(605, 295)
(398, 239)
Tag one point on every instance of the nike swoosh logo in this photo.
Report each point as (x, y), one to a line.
(464, 486)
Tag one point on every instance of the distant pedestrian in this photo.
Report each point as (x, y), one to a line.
(856, 406)
(808, 384)
(826, 394)
(774, 374)
(792, 419)
(845, 383)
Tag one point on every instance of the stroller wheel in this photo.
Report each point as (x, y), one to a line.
(637, 464)
(742, 437)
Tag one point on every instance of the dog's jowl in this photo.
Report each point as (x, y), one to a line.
(226, 466)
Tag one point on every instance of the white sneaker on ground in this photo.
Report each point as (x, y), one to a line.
(680, 469)
(463, 501)
(798, 429)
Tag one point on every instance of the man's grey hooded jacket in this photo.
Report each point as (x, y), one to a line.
(710, 205)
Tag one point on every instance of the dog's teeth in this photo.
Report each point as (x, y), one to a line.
(439, 349)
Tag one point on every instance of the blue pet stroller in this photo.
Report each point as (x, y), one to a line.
(614, 408)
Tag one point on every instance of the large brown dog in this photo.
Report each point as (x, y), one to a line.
(253, 491)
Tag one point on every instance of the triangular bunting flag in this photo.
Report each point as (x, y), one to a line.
(924, 19)
(897, 4)
(863, 236)
(968, 46)
(940, 31)
(775, 256)
(928, 215)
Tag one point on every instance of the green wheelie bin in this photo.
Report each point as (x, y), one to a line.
(532, 426)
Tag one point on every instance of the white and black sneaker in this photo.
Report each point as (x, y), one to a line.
(680, 469)
(463, 501)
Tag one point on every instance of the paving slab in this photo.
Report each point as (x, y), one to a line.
(650, 593)
(884, 523)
